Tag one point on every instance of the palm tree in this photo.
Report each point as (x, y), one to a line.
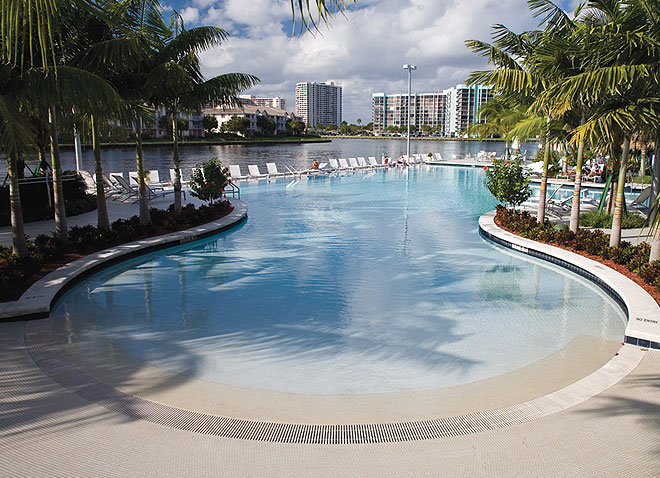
(502, 114)
(176, 84)
(517, 72)
(618, 84)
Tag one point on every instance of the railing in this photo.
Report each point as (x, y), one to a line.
(232, 189)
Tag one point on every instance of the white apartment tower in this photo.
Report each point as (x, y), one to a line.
(391, 110)
(452, 109)
(464, 102)
(319, 103)
(274, 102)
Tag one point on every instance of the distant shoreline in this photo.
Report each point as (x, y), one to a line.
(423, 138)
(151, 144)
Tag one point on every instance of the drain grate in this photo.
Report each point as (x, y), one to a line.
(48, 357)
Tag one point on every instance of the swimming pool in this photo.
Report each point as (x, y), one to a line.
(372, 282)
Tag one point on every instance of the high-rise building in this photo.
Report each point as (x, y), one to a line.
(464, 102)
(319, 103)
(426, 109)
(449, 111)
(274, 102)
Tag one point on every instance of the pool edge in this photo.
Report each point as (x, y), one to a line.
(36, 302)
(642, 311)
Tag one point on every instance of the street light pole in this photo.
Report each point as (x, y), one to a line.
(410, 68)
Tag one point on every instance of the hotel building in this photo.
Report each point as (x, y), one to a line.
(251, 112)
(319, 103)
(274, 102)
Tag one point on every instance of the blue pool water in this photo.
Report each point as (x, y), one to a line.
(363, 283)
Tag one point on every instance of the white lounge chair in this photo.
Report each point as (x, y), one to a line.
(111, 186)
(126, 190)
(152, 179)
(235, 172)
(253, 171)
(343, 164)
(132, 191)
(353, 163)
(639, 201)
(333, 162)
(272, 170)
(372, 161)
(173, 177)
(362, 162)
(437, 157)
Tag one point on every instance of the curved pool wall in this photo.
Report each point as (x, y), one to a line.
(642, 311)
(36, 302)
(362, 283)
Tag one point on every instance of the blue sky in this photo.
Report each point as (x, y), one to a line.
(363, 51)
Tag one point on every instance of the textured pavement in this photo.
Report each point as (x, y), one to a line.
(45, 430)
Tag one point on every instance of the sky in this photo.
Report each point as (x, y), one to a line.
(363, 50)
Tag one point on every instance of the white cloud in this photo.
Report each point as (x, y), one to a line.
(190, 15)
(363, 51)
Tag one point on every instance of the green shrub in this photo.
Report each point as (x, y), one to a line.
(209, 180)
(603, 220)
(506, 181)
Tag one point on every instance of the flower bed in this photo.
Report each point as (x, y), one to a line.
(47, 254)
(632, 261)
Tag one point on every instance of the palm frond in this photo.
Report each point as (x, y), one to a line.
(314, 13)
(551, 14)
(496, 56)
(71, 87)
(221, 90)
(528, 128)
(193, 41)
(16, 132)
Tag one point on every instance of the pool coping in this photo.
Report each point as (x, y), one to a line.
(642, 311)
(47, 355)
(36, 302)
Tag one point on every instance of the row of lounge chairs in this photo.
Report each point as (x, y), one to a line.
(124, 188)
(333, 164)
(120, 188)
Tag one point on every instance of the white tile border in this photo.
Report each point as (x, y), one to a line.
(37, 300)
(642, 310)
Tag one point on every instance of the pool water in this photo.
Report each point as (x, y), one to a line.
(370, 282)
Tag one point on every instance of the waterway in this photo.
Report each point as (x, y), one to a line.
(298, 156)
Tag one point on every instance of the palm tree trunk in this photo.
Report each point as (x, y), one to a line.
(506, 151)
(540, 215)
(655, 182)
(653, 215)
(103, 222)
(17, 230)
(577, 190)
(177, 167)
(145, 219)
(58, 191)
(574, 224)
(615, 235)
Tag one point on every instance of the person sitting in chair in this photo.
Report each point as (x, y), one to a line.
(315, 165)
(595, 172)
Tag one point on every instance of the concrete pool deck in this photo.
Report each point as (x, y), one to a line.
(47, 428)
